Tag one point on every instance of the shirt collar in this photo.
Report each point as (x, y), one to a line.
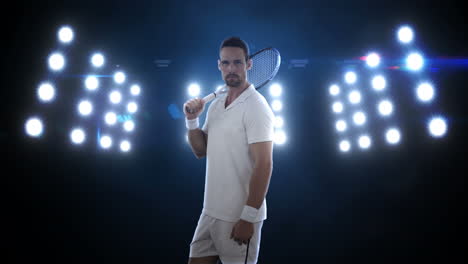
(244, 95)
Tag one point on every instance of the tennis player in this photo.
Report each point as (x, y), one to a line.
(237, 140)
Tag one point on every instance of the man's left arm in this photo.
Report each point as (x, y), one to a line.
(262, 154)
(260, 131)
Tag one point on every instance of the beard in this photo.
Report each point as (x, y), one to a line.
(233, 80)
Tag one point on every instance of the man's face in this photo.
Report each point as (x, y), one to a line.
(233, 66)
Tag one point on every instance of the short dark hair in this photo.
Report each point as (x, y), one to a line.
(236, 42)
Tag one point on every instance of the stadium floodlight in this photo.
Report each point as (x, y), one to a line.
(65, 34)
(97, 60)
(56, 61)
(91, 83)
(46, 92)
(385, 108)
(379, 83)
(110, 118)
(414, 61)
(132, 107)
(85, 107)
(359, 118)
(34, 127)
(405, 34)
(115, 97)
(345, 146)
(277, 105)
(105, 142)
(337, 107)
(77, 136)
(194, 90)
(129, 125)
(373, 60)
(393, 136)
(437, 127)
(275, 90)
(135, 90)
(119, 77)
(279, 122)
(425, 92)
(340, 125)
(125, 146)
(334, 90)
(354, 97)
(350, 77)
(364, 142)
(279, 137)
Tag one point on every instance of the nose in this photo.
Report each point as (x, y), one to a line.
(231, 67)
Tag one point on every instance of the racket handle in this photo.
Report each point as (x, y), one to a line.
(209, 97)
(206, 100)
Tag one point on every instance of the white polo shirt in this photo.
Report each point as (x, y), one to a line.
(229, 164)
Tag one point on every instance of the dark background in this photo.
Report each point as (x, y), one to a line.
(64, 204)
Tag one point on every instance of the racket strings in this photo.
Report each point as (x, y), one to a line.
(265, 65)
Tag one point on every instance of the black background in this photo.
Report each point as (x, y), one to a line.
(64, 204)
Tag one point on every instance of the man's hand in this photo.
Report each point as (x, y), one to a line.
(242, 231)
(196, 105)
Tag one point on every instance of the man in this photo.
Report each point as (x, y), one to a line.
(237, 140)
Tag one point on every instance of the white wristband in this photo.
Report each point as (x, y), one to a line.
(249, 214)
(191, 124)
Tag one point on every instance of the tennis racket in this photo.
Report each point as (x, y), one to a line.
(265, 66)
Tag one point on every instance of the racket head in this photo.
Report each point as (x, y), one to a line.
(265, 66)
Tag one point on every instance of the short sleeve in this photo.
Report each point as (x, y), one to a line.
(259, 121)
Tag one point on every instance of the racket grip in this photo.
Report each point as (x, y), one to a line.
(209, 97)
(206, 100)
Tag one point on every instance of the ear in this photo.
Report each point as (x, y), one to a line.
(219, 65)
(249, 64)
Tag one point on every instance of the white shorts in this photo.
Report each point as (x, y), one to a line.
(213, 238)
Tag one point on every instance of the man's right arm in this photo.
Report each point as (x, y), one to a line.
(197, 138)
(198, 141)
